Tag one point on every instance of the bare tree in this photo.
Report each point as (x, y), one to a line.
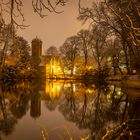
(69, 51)
(44, 6)
(6, 38)
(85, 39)
(129, 19)
(52, 51)
(13, 8)
(121, 18)
(116, 55)
(98, 45)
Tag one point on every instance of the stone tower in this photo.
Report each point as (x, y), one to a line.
(36, 48)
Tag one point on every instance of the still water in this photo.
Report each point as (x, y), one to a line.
(68, 110)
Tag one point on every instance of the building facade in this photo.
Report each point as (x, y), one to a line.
(36, 47)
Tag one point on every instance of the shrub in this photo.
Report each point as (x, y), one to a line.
(10, 72)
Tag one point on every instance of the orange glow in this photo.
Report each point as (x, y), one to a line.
(53, 68)
(53, 89)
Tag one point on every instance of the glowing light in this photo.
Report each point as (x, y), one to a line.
(53, 68)
(90, 91)
(108, 96)
(74, 70)
(119, 92)
(109, 59)
(52, 89)
(28, 68)
(74, 88)
(58, 87)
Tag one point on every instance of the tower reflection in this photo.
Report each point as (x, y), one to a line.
(35, 110)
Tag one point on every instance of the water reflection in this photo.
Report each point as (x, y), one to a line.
(13, 105)
(53, 89)
(109, 113)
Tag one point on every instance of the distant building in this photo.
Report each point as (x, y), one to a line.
(36, 52)
(36, 47)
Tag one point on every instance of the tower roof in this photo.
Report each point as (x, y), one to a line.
(37, 40)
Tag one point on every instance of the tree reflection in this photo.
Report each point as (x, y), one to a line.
(107, 110)
(131, 120)
(13, 105)
(69, 103)
(51, 105)
(20, 106)
(84, 108)
(7, 120)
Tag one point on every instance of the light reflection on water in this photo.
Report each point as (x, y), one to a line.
(64, 109)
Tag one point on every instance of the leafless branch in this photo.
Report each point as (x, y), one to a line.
(41, 7)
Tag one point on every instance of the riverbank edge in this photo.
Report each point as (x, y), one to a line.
(130, 81)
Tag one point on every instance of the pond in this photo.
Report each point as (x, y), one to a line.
(68, 110)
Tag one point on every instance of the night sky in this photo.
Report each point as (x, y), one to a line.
(53, 29)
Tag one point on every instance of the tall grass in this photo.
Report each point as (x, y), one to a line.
(45, 133)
